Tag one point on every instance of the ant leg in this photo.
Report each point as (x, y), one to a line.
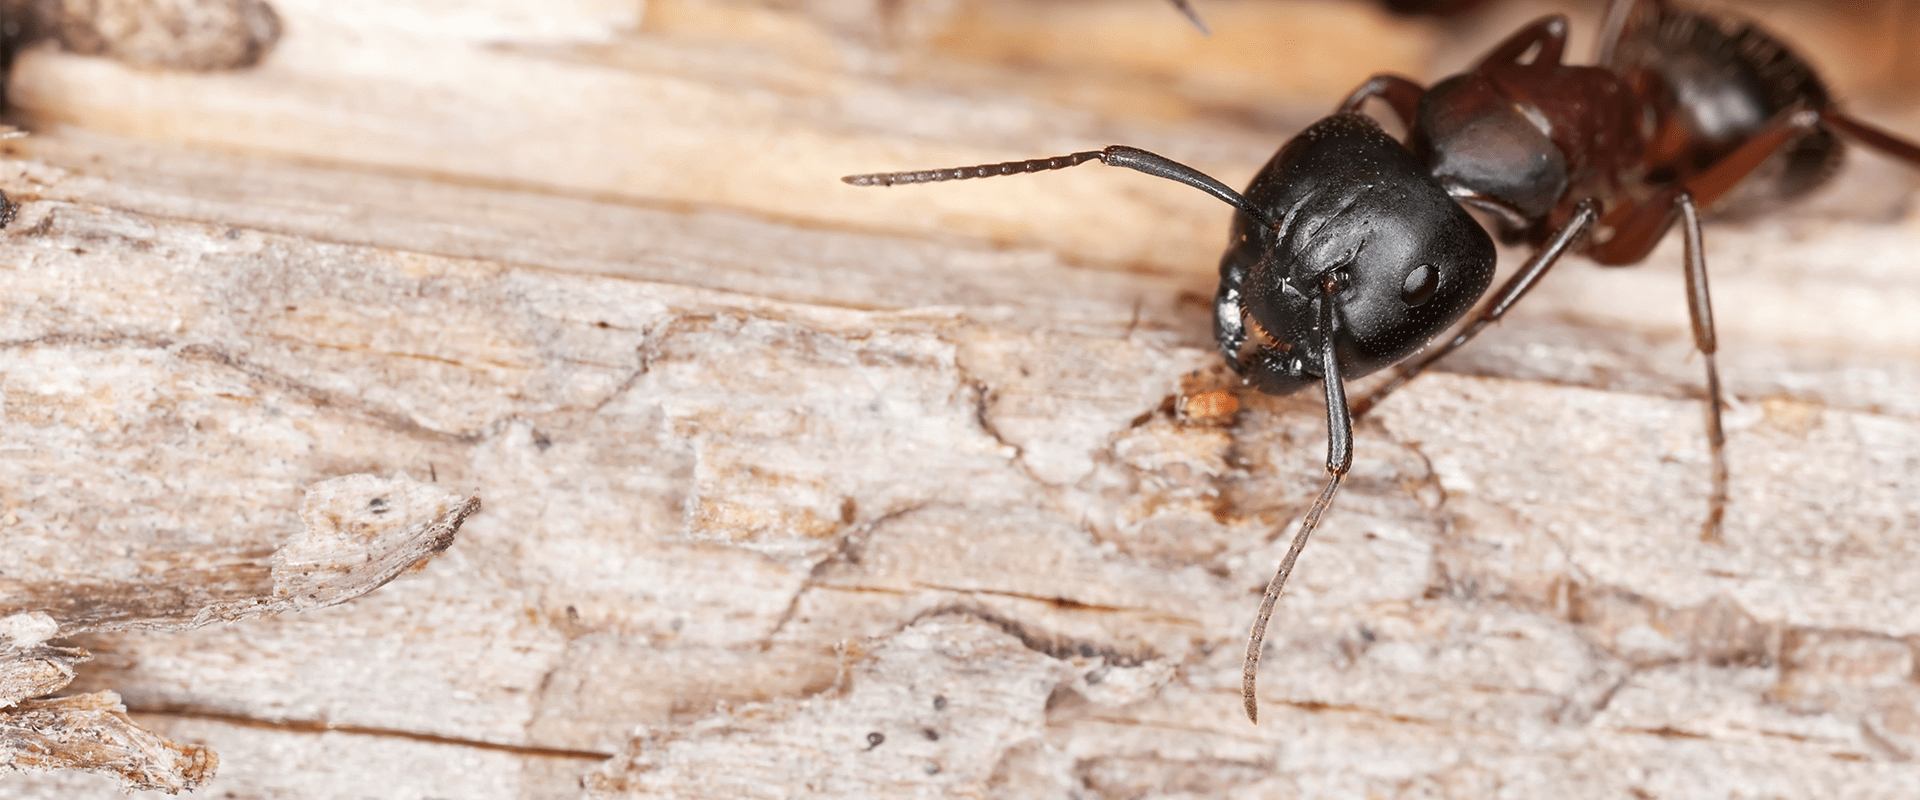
(1620, 19)
(1584, 216)
(1716, 180)
(1871, 136)
(1187, 10)
(1700, 312)
(1549, 34)
(1644, 227)
(1339, 460)
(1613, 27)
(1721, 177)
(1402, 95)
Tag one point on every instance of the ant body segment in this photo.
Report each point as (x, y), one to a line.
(1350, 250)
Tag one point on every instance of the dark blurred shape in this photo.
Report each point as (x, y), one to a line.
(197, 35)
(1435, 8)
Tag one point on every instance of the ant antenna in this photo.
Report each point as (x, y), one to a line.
(1118, 155)
(1339, 460)
(1186, 10)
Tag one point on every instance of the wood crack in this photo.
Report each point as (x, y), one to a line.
(321, 726)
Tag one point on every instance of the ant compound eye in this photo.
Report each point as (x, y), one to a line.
(1422, 281)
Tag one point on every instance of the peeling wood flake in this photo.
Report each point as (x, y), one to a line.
(92, 732)
(361, 532)
(929, 711)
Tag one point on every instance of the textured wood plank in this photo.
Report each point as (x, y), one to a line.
(360, 532)
(773, 465)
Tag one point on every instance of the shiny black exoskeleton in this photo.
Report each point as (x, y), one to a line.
(1352, 205)
(1351, 250)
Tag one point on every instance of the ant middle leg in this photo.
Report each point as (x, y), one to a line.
(1632, 240)
(1640, 228)
(1644, 227)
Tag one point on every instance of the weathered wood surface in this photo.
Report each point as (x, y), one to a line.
(795, 489)
(187, 562)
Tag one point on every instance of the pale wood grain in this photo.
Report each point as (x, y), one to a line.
(772, 463)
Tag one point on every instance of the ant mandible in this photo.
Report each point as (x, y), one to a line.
(1352, 250)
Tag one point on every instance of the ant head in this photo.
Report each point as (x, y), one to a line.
(1349, 203)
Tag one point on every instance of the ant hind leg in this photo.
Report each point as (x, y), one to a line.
(1871, 136)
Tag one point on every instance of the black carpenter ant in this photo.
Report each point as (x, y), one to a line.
(1351, 250)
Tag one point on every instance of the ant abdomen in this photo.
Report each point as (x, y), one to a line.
(1717, 82)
